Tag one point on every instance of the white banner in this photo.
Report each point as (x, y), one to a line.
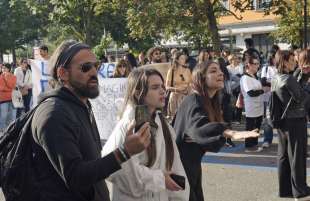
(40, 77)
(106, 70)
(106, 107)
(109, 104)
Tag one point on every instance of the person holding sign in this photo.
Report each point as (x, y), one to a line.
(156, 173)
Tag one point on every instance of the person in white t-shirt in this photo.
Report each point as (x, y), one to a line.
(252, 91)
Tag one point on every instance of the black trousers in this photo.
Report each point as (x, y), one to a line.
(292, 157)
(252, 123)
(194, 173)
(26, 100)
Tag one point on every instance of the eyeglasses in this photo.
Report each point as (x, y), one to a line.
(255, 63)
(85, 67)
(156, 53)
(122, 66)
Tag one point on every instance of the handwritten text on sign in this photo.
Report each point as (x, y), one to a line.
(108, 105)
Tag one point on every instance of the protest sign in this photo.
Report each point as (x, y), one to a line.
(40, 77)
(106, 70)
(109, 104)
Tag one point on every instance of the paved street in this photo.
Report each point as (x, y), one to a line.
(233, 175)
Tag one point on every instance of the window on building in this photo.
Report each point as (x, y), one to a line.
(262, 4)
(229, 42)
(225, 4)
(263, 43)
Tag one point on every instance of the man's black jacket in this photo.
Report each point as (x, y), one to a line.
(67, 150)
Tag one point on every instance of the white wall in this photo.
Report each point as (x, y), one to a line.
(7, 58)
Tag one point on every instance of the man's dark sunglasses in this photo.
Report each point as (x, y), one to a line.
(85, 67)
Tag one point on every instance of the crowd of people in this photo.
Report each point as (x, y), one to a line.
(192, 110)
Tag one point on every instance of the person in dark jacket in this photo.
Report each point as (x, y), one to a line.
(199, 124)
(226, 97)
(66, 145)
(289, 117)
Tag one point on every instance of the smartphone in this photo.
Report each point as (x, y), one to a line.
(178, 179)
(142, 115)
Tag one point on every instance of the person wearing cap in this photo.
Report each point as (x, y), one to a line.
(67, 146)
(7, 85)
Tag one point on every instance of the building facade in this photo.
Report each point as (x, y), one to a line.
(254, 24)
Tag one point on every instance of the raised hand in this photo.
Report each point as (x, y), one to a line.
(237, 135)
(137, 142)
(170, 184)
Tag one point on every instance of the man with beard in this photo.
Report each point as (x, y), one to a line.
(67, 147)
(153, 55)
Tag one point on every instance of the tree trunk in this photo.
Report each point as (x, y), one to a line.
(14, 55)
(212, 25)
(1, 56)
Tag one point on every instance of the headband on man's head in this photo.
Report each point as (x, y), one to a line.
(66, 56)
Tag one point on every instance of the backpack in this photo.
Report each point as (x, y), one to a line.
(17, 173)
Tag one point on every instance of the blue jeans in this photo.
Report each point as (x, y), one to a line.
(266, 125)
(7, 114)
(27, 100)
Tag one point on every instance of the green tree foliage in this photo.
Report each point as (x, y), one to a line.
(101, 48)
(290, 25)
(162, 19)
(290, 21)
(18, 25)
(85, 20)
(194, 21)
(116, 11)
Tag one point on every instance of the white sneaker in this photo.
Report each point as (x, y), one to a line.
(266, 145)
(253, 149)
(306, 198)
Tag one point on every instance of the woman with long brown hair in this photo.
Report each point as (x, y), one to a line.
(147, 175)
(122, 69)
(203, 56)
(178, 83)
(199, 124)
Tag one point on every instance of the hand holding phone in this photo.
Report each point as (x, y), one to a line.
(178, 179)
(142, 115)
